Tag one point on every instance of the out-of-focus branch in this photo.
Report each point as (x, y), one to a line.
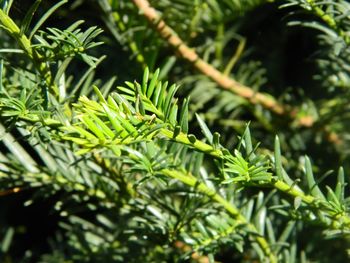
(190, 55)
(222, 79)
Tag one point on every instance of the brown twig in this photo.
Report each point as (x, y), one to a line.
(190, 55)
(222, 79)
(10, 191)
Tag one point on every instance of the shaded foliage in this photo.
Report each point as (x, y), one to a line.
(104, 159)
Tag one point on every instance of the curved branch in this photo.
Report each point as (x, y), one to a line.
(225, 82)
(190, 55)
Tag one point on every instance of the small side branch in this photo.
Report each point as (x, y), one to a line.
(191, 181)
(11, 27)
(328, 19)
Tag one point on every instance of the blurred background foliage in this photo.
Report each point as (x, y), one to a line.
(59, 207)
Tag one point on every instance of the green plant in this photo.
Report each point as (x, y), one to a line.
(134, 172)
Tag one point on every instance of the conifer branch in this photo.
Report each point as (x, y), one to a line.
(224, 81)
(328, 19)
(135, 125)
(190, 180)
(9, 25)
(127, 172)
(190, 55)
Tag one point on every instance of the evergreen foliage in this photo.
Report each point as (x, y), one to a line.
(174, 131)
